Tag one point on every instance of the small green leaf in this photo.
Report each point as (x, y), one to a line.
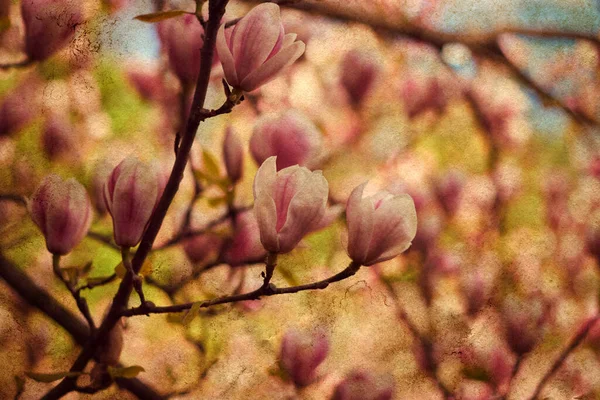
(160, 16)
(120, 270)
(211, 166)
(125, 372)
(191, 314)
(47, 378)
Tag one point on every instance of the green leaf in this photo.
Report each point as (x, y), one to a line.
(125, 372)
(191, 314)
(211, 166)
(120, 270)
(47, 378)
(160, 16)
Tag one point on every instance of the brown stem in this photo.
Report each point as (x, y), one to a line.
(575, 342)
(19, 64)
(137, 281)
(37, 297)
(80, 301)
(265, 290)
(197, 115)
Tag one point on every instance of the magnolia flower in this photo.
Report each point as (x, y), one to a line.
(288, 204)
(292, 137)
(63, 212)
(200, 248)
(58, 137)
(131, 194)
(256, 50)
(233, 155)
(49, 25)
(301, 355)
(379, 227)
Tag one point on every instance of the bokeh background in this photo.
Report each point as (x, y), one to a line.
(486, 113)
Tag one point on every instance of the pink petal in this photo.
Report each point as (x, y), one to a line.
(269, 70)
(359, 216)
(226, 57)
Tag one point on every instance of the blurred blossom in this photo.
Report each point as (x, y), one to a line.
(257, 49)
(19, 106)
(301, 354)
(380, 226)
(477, 288)
(182, 39)
(360, 385)
(58, 137)
(233, 154)
(508, 179)
(114, 6)
(524, 320)
(131, 193)
(245, 244)
(63, 212)
(449, 188)
(200, 248)
(147, 82)
(49, 25)
(475, 390)
(594, 167)
(358, 73)
(288, 204)
(100, 175)
(290, 136)
(420, 94)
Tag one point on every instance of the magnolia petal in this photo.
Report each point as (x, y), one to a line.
(306, 210)
(269, 70)
(395, 224)
(264, 180)
(288, 39)
(224, 53)
(266, 215)
(359, 216)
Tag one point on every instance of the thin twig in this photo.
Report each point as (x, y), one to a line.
(267, 289)
(18, 64)
(80, 301)
(575, 342)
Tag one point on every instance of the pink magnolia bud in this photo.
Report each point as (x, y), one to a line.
(19, 107)
(448, 190)
(288, 204)
(233, 154)
(524, 320)
(49, 25)
(301, 355)
(256, 50)
(292, 137)
(131, 194)
(200, 248)
(245, 245)
(182, 39)
(360, 385)
(58, 137)
(63, 212)
(379, 227)
(359, 71)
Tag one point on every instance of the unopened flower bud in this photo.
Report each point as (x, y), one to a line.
(49, 25)
(63, 212)
(288, 204)
(360, 385)
(233, 154)
(131, 194)
(448, 190)
(359, 71)
(58, 137)
(524, 321)
(301, 355)
(182, 37)
(379, 227)
(257, 49)
(290, 136)
(200, 248)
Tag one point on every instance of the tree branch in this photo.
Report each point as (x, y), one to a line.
(267, 289)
